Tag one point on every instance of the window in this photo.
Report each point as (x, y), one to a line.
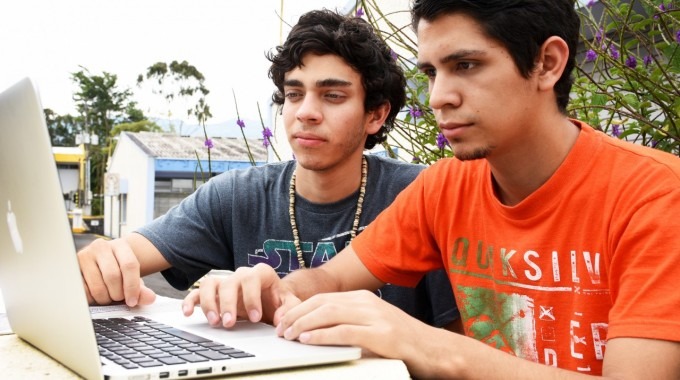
(123, 208)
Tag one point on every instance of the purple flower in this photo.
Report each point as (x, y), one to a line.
(677, 36)
(415, 112)
(662, 9)
(266, 134)
(631, 61)
(591, 55)
(614, 52)
(394, 55)
(654, 143)
(599, 34)
(208, 143)
(441, 141)
(360, 12)
(616, 130)
(647, 60)
(590, 3)
(415, 160)
(240, 123)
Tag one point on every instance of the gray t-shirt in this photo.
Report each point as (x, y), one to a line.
(240, 218)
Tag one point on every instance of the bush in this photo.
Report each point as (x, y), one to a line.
(626, 80)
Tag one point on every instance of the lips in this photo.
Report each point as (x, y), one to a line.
(453, 125)
(308, 139)
(453, 130)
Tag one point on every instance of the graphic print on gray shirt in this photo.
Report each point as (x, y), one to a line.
(240, 218)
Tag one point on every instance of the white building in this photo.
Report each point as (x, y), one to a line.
(151, 172)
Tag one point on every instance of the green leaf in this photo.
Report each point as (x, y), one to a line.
(599, 99)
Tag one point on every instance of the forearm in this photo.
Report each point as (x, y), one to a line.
(304, 283)
(149, 257)
(442, 354)
(344, 272)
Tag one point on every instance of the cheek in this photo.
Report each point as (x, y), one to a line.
(288, 112)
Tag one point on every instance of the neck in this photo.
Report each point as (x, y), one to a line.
(329, 185)
(355, 222)
(523, 170)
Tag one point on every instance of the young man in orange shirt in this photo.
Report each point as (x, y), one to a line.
(561, 243)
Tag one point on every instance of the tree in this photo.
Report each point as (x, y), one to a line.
(180, 81)
(135, 126)
(62, 129)
(101, 105)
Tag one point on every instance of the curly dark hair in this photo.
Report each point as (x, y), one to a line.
(354, 40)
(522, 26)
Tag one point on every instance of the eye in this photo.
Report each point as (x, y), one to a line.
(466, 65)
(430, 72)
(335, 96)
(293, 96)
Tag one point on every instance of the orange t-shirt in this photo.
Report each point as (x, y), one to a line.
(593, 254)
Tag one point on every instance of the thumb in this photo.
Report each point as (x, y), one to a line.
(146, 295)
(288, 301)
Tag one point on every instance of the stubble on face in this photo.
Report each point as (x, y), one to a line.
(475, 154)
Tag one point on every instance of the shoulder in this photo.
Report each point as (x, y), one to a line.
(630, 177)
(255, 174)
(629, 161)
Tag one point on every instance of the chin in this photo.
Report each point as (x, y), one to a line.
(474, 154)
(310, 163)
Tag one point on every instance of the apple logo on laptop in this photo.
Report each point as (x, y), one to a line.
(13, 229)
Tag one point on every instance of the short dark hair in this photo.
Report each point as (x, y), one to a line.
(521, 26)
(355, 41)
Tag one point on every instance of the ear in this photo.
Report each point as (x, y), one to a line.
(551, 62)
(376, 118)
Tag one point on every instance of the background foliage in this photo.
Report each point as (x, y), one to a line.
(626, 82)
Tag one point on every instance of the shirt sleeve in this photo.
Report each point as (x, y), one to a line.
(398, 246)
(190, 233)
(644, 271)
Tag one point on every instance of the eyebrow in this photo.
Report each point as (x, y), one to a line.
(458, 55)
(330, 82)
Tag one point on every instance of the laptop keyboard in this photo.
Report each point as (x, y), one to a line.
(141, 342)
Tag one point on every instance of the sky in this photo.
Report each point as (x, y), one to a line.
(226, 40)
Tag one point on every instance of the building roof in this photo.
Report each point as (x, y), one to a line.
(68, 154)
(163, 145)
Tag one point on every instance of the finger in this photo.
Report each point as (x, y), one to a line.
(251, 289)
(337, 335)
(317, 312)
(146, 295)
(208, 300)
(90, 299)
(360, 308)
(190, 302)
(127, 278)
(230, 304)
(288, 301)
(91, 273)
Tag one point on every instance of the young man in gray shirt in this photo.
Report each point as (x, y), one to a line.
(340, 92)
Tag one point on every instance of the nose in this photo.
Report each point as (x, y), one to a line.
(444, 92)
(309, 110)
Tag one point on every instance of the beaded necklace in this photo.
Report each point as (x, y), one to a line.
(357, 215)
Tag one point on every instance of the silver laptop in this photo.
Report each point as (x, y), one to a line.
(44, 296)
